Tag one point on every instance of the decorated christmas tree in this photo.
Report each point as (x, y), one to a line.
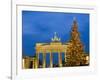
(75, 53)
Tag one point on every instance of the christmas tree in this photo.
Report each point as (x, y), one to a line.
(75, 53)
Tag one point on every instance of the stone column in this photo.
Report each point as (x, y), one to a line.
(44, 60)
(51, 61)
(60, 59)
(37, 60)
(65, 56)
(23, 63)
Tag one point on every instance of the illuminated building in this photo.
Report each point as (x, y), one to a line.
(29, 62)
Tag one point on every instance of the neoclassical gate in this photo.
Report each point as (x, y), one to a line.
(53, 47)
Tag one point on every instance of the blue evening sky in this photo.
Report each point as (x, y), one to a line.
(40, 27)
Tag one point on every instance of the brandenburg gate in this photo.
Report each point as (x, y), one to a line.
(54, 46)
